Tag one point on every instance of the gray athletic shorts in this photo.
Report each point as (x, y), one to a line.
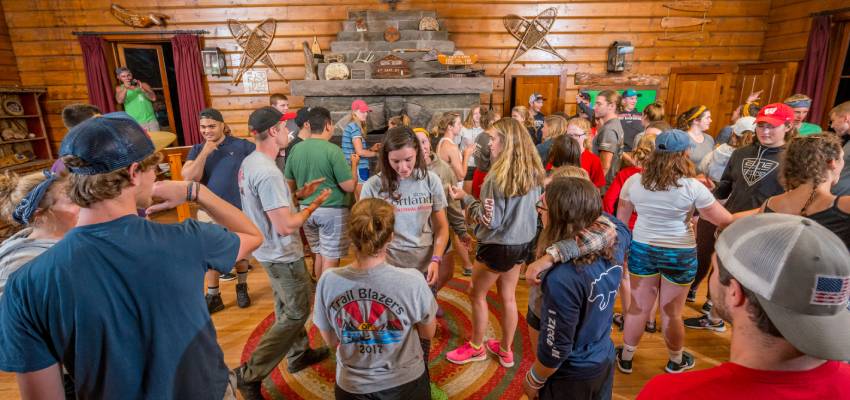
(326, 232)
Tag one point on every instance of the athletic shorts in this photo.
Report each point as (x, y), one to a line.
(678, 266)
(502, 257)
(532, 319)
(362, 174)
(326, 232)
(470, 172)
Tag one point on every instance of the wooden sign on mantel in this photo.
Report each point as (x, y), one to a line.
(391, 67)
(588, 79)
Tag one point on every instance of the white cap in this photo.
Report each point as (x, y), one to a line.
(744, 124)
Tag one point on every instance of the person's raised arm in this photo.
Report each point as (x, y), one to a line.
(120, 93)
(716, 214)
(42, 384)
(149, 93)
(193, 170)
(175, 193)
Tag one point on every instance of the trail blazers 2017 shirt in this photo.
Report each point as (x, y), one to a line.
(373, 312)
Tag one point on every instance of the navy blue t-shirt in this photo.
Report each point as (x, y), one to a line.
(539, 119)
(120, 304)
(575, 320)
(222, 166)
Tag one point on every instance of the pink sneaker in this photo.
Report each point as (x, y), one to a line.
(506, 358)
(466, 354)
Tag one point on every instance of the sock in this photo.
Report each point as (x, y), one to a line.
(213, 290)
(474, 346)
(628, 352)
(242, 277)
(675, 356)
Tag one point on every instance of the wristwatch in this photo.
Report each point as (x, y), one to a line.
(553, 251)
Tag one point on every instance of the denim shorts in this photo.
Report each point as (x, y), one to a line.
(677, 265)
(363, 174)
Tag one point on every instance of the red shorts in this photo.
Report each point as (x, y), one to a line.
(477, 180)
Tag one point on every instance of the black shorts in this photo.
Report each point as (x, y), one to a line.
(532, 319)
(502, 257)
(470, 171)
(417, 389)
(597, 388)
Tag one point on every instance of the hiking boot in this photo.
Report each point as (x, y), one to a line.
(310, 357)
(705, 323)
(466, 354)
(506, 358)
(248, 390)
(619, 320)
(227, 276)
(706, 307)
(623, 365)
(687, 363)
(692, 296)
(214, 303)
(242, 298)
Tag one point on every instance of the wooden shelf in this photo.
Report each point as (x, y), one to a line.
(31, 165)
(18, 116)
(35, 139)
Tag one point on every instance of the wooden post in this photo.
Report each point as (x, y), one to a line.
(176, 163)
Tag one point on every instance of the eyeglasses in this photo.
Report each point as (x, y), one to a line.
(540, 207)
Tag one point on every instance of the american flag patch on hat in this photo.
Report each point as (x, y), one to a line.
(831, 290)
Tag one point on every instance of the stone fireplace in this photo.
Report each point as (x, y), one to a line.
(421, 96)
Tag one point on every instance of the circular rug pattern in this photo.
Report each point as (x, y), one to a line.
(477, 380)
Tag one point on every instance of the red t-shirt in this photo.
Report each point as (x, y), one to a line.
(612, 196)
(590, 163)
(730, 381)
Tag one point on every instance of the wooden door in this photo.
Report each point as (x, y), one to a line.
(694, 86)
(546, 85)
(147, 63)
(774, 79)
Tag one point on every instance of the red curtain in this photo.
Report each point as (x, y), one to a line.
(811, 76)
(101, 92)
(187, 70)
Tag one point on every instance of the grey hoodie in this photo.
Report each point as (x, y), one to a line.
(19, 250)
(503, 220)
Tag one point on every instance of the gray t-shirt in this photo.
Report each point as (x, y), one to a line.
(18, 250)
(700, 150)
(842, 188)
(417, 199)
(262, 188)
(610, 138)
(373, 312)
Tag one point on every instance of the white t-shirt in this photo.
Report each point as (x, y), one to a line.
(467, 138)
(664, 217)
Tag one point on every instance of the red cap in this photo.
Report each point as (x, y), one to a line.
(287, 116)
(360, 105)
(775, 114)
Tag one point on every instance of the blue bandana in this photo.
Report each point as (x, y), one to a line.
(26, 208)
(800, 104)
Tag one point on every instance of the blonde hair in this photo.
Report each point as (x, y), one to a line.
(528, 120)
(371, 225)
(841, 109)
(569, 171)
(469, 123)
(645, 147)
(398, 120)
(581, 123)
(518, 168)
(557, 125)
(361, 124)
(13, 189)
(444, 123)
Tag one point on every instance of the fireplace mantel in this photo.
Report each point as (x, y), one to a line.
(393, 87)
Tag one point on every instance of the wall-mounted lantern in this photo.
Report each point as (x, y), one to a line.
(619, 56)
(214, 61)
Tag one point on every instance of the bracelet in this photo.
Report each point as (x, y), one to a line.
(437, 259)
(531, 383)
(533, 376)
(189, 191)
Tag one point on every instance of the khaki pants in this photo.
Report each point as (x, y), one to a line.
(286, 337)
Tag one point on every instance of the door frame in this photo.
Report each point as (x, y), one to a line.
(548, 71)
(729, 73)
(166, 92)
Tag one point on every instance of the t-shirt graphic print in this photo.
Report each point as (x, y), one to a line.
(754, 169)
(367, 318)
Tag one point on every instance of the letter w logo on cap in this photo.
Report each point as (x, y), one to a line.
(770, 111)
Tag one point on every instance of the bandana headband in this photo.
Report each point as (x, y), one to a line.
(26, 208)
(800, 104)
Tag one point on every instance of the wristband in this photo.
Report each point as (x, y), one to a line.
(197, 190)
(189, 191)
(437, 259)
(532, 382)
(536, 378)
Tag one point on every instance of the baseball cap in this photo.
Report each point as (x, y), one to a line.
(672, 141)
(744, 124)
(800, 274)
(630, 92)
(775, 114)
(263, 118)
(535, 97)
(288, 116)
(211, 113)
(360, 105)
(106, 143)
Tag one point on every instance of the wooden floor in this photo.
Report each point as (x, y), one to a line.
(234, 325)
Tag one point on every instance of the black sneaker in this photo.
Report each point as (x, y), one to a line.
(619, 320)
(249, 390)
(623, 365)
(692, 296)
(705, 323)
(686, 364)
(310, 357)
(651, 327)
(214, 303)
(242, 298)
(706, 307)
(227, 277)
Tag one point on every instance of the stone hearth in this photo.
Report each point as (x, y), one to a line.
(420, 97)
